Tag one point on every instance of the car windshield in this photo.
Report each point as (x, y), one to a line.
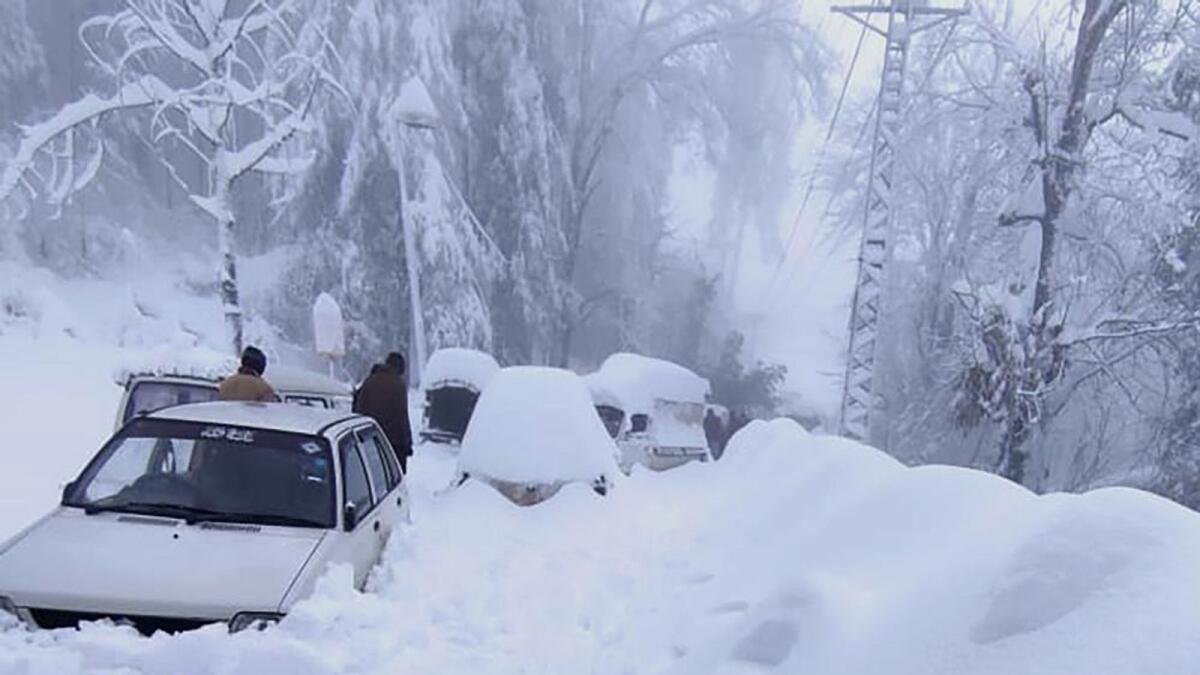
(148, 397)
(211, 472)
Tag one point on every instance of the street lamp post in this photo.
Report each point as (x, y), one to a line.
(415, 110)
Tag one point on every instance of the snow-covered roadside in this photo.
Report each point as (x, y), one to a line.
(794, 554)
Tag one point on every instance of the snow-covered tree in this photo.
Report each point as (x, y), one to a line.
(651, 75)
(223, 87)
(1014, 327)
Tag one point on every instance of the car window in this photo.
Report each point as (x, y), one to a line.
(306, 401)
(148, 397)
(354, 475)
(376, 470)
(373, 444)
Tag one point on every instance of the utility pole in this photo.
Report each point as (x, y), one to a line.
(901, 20)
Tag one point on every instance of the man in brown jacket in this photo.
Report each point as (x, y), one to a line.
(248, 384)
(384, 397)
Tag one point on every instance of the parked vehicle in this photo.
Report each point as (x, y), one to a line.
(533, 432)
(154, 389)
(453, 381)
(205, 513)
(653, 408)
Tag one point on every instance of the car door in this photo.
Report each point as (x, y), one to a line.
(363, 543)
(382, 463)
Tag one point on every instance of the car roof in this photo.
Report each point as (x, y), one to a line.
(291, 379)
(284, 379)
(287, 417)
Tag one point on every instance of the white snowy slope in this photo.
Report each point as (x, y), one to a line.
(793, 554)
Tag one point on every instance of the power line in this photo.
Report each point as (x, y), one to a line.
(940, 52)
(808, 192)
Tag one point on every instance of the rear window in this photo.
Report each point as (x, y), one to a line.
(148, 397)
(306, 401)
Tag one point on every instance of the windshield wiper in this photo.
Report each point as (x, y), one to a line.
(186, 513)
(192, 515)
(257, 519)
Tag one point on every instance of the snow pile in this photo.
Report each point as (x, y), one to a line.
(329, 330)
(536, 425)
(794, 554)
(459, 366)
(636, 381)
(414, 106)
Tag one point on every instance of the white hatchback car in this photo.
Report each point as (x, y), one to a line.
(206, 513)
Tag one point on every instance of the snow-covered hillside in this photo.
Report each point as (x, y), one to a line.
(793, 554)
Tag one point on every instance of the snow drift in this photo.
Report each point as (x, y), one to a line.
(794, 554)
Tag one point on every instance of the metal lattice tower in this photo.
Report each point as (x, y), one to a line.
(902, 20)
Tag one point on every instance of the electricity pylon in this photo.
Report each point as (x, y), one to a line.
(903, 19)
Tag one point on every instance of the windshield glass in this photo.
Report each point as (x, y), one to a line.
(211, 472)
(148, 397)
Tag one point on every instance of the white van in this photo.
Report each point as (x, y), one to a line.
(654, 409)
(151, 390)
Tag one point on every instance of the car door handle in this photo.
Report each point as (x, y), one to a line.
(375, 526)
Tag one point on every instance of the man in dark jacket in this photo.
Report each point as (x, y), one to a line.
(248, 383)
(384, 397)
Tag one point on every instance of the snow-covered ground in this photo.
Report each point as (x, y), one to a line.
(793, 554)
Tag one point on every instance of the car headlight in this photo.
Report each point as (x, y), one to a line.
(255, 620)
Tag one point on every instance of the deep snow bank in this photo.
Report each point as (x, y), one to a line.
(794, 554)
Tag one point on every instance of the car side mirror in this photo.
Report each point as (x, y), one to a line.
(639, 423)
(67, 490)
(350, 516)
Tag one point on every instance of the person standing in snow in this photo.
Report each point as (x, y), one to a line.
(248, 384)
(383, 396)
(374, 369)
(714, 432)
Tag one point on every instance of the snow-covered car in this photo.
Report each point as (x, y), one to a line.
(207, 513)
(654, 409)
(158, 388)
(452, 382)
(534, 431)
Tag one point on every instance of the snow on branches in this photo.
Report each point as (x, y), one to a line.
(221, 85)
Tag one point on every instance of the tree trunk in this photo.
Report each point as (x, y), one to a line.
(230, 301)
(1059, 166)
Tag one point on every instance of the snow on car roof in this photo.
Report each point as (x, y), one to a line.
(215, 366)
(293, 379)
(295, 419)
(203, 364)
(536, 425)
(636, 381)
(466, 366)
